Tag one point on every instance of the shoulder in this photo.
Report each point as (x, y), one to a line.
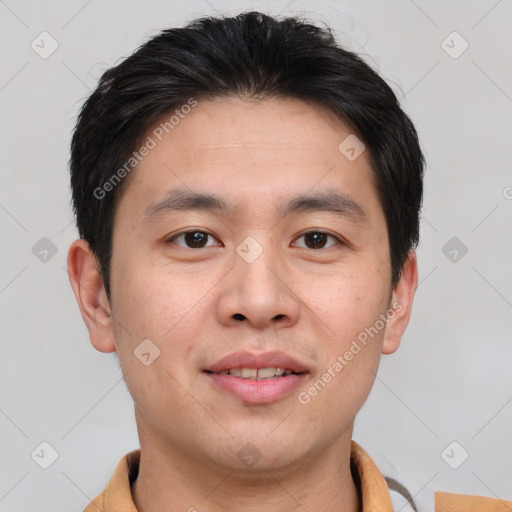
(448, 502)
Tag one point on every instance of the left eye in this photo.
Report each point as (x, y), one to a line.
(193, 239)
(317, 240)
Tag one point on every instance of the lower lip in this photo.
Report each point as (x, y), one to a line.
(257, 391)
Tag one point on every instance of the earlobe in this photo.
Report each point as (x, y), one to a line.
(401, 305)
(90, 294)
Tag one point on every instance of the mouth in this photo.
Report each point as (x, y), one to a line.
(257, 378)
(257, 373)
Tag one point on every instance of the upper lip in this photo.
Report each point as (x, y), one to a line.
(244, 359)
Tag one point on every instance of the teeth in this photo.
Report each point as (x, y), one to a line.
(258, 374)
(267, 373)
(249, 373)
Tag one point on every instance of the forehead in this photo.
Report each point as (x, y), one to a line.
(250, 150)
(238, 125)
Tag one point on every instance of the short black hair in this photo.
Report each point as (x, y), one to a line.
(248, 55)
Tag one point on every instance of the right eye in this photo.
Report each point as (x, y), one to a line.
(192, 239)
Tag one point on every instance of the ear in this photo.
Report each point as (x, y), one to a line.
(401, 305)
(87, 284)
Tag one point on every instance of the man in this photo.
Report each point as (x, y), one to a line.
(247, 195)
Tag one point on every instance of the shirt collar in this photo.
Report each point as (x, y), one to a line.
(372, 487)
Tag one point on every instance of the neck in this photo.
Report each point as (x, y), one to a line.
(171, 480)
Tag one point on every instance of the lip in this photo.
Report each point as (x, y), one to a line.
(257, 391)
(254, 391)
(244, 359)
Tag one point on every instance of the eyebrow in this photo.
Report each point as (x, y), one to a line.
(328, 201)
(181, 199)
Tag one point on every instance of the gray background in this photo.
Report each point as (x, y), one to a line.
(451, 378)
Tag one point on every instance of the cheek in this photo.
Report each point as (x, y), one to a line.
(348, 303)
(155, 300)
(175, 310)
(350, 309)
(151, 304)
(352, 351)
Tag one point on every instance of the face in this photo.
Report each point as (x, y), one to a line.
(247, 239)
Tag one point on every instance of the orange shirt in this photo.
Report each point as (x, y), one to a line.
(117, 496)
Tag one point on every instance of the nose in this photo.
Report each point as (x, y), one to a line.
(258, 293)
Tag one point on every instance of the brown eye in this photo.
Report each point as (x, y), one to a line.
(193, 239)
(317, 240)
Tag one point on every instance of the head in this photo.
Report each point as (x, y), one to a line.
(245, 184)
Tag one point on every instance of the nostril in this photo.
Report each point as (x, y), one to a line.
(238, 316)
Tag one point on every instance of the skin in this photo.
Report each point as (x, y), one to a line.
(199, 304)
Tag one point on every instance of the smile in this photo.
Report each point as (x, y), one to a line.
(257, 373)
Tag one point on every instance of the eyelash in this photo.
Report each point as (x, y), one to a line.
(183, 233)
